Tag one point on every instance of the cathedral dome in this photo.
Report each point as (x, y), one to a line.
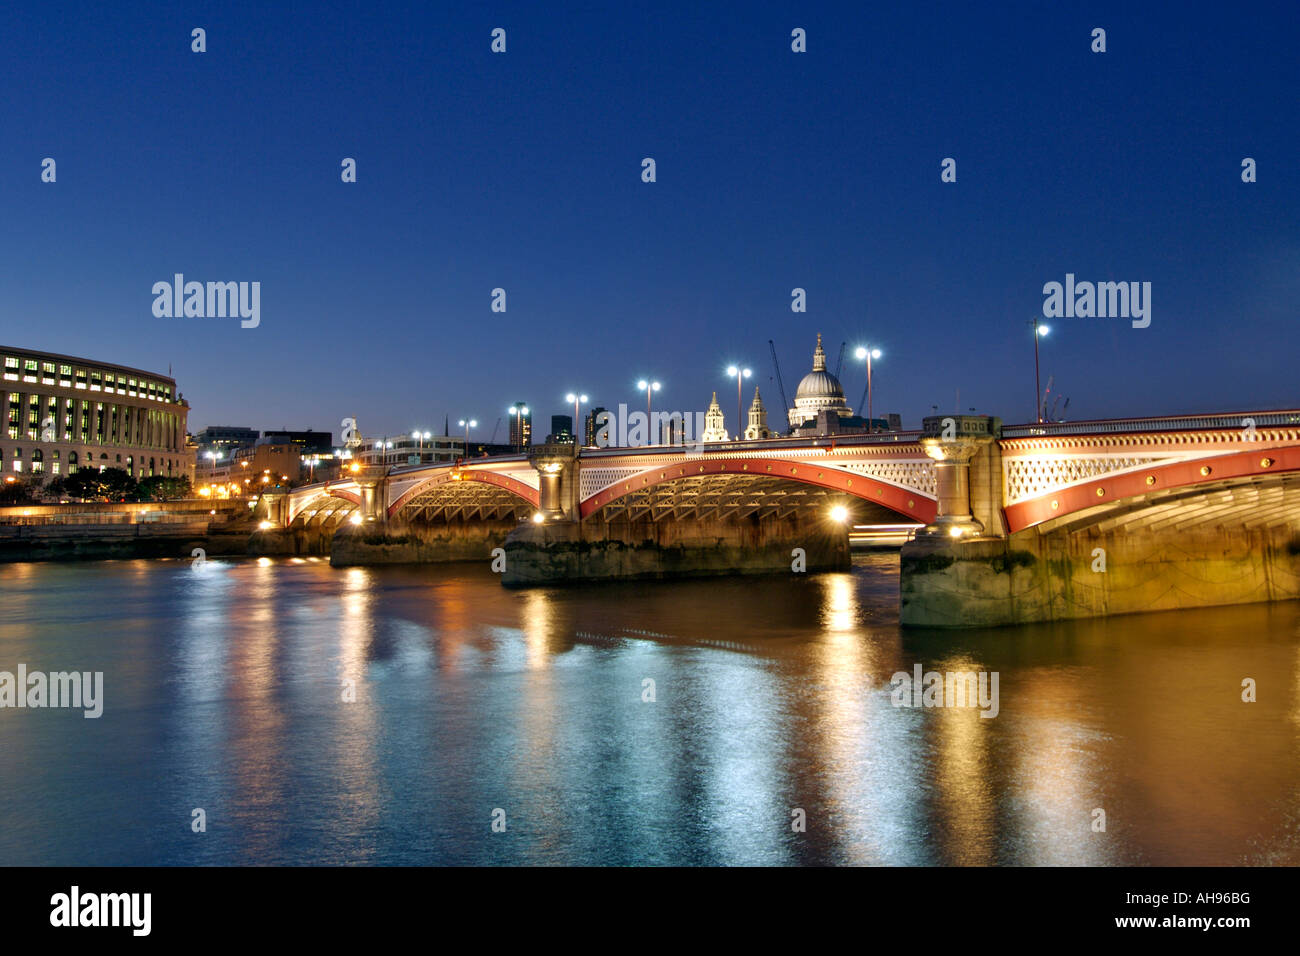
(819, 385)
(818, 390)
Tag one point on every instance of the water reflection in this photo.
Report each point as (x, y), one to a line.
(659, 723)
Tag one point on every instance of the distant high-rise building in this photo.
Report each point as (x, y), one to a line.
(308, 441)
(521, 425)
(225, 438)
(593, 426)
(895, 422)
(561, 430)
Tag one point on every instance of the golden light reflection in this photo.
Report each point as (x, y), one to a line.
(1054, 768)
(965, 777)
(258, 740)
(538, 625)
(856, 741)
(839, 602)
(354, 744)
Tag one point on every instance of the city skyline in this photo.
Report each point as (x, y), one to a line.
(522, 171)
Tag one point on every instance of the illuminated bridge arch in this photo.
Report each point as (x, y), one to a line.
(323, 498)
(325, 509)
(747, 486)
(466, 494)
(1259, 487)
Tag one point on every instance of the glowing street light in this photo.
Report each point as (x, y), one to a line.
(576, 399)
(741, 374)
(467, 424)
(862, 352)
(1040, 331)
(650, 389)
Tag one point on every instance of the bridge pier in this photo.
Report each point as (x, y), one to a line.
(570, 552)
(1189, 534)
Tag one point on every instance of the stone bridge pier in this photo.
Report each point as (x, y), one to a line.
(1186, 521)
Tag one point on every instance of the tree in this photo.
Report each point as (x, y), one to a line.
(111, 484)
(164, 488)
(15, 491)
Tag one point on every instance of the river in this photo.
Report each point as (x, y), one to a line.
(769, 735)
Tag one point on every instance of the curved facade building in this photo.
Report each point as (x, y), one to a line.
(63, 414)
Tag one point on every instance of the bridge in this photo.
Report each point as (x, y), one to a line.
(1024, 522)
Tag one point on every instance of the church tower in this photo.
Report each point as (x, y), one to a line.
(757, 419)
(714, 426)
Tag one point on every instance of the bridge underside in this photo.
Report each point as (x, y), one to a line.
(1255, 503)
(694, 526)
(441, 522)
(326, 509)
(460, 501)
(734, 497)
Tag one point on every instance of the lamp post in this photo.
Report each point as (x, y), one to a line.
(519, 412)
(1040, 331)
(741, 374)
(863, 352)
(467, 424)
(576, 399)
(650, 389)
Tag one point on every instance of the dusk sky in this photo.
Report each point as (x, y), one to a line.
(775, 170)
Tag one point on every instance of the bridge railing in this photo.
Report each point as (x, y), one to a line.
(1232, 421)
(761, 444)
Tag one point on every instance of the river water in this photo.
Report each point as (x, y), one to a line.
(224, 689)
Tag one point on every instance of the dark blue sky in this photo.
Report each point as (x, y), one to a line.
(775, 170)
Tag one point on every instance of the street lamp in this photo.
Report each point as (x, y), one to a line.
(650, 389)
(576, 399)
(741, 374)
(1040, 331)
(467, 424)
(863, 352)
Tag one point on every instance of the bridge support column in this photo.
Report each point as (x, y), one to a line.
(273, 506)
(557, 470)
(957, 443)
(372, 483)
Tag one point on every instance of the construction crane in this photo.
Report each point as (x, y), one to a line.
(785, 406)
(839, 365)
(495, 429)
